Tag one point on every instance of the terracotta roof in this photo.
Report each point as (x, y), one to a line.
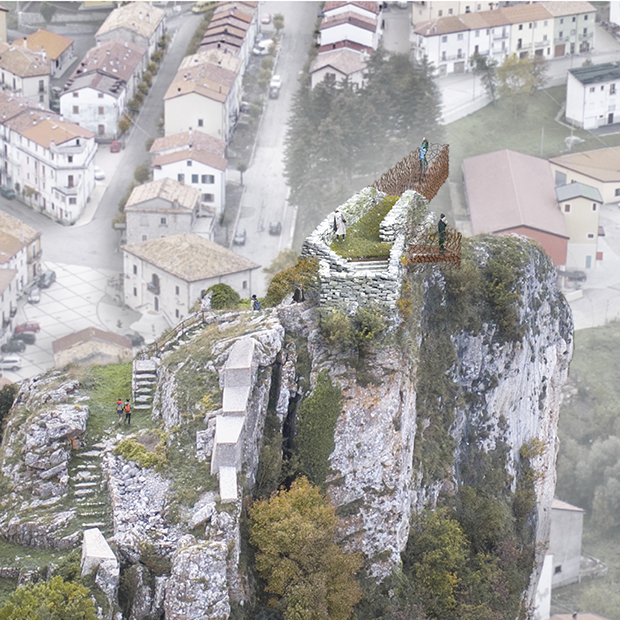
(21, 61)
(216, 57)
(558, 504)
(204, 157)
(225, 9)
(88, 334)
(344, 44)
(139, 17)
(208, 80)
(221, 41)
(97, 80)
(507, 190)
(344, 60)
(371, 7)
(355, 19)
(11, 105)
(45, 129)
(190, 257)
(184, 196)
(190, 139)
(12, 226)
(53, 44)
(225, 20)
(226, 29)
(116, 58)
(248, 8)
(441, 25)
(559, 8)
(6, 277)
(9, 246)
(521, 13)
(601, 164)
(595, 74)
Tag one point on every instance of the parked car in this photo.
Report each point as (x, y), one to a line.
(275, 228)
(47, 278)
(136, 339)
(262, 47)
(34, 297)
(7, 192)
(99, 174)
(203, 7)
(240, 236)
(115, 147)
(10, 362)
(577, 276)
(27, 337)
(28, 326)
(274, 86)
(266, 19)
(13, 346)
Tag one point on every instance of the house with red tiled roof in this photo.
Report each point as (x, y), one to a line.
(195, 159)
(58, 48)
(339, 64)
(91, 346)
(366, 9)
(350, 25)
(25, 72)
(508, 192)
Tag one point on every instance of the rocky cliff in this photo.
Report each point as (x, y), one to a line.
(473, 366)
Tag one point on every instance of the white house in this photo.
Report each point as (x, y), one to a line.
(24, 72)
(99, 105)
(140, 23)
(8, 299)
(58, 48)
(574, 26)
(195, 159)
(614, 12)
(361, 7)
(159, 208)
(350, 26)
(170, 274)
(48, 160)
(339, 64)
(591, 95)
(531, 32)
(26, 257)
(202, 98)
(565, 542)
(423, 11)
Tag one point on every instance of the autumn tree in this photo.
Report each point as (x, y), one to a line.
(297, 557)
(516, 83)
(53, 600)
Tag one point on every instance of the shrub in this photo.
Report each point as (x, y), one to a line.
(132, 450)
(305, 272)
(369, 323)
(142, 173)
(223, 297)
(157, 56)
(337, 328)
(149, 143)
(267, 63)
(143, 87)
(314, 441)
(152, 68)
(7, 398)
(148, 77)
(54, 600)
(124, 124)
(125, 198)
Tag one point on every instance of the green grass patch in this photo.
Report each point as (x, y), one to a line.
(147, 449)
(362, 238)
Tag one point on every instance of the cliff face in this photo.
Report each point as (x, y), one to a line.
(474, 367)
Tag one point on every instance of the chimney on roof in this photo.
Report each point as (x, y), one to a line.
(140, 14)
(148, 18)
(25, 43)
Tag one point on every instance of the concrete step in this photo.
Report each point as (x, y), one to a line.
(144, 398)
(89, 454)
(86, 485)
(84, 466)
(144, 376)
(94, 524)
(83, 492)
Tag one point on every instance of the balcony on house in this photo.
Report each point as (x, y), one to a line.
(153, 285)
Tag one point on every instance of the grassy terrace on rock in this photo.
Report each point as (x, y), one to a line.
(362, 239)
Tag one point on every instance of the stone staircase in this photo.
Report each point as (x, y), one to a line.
(144, 381)
(89, 492)
(379, 264)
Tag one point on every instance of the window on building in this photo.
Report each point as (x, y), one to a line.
(70, 159)
(440, 13)
(135, 291)
(101, 110)
(545, 24)
(478, 6)
(612, 89)
(76, 94)
(41, 86)
(590, 235)
(145, 237)
(162, 221)
(566, 208)
(603, 87)
(459, 36)
(201, 122)
(561, 34)
(544, 37)
(443, 55)
(561, 20)
(585, 32)
(530, 25)
(592, 89)
(574, 19)
(460, 53)
(76, 109)
(177, 290)
(444, 39)
(135, 270)
(477, 33)
(194, 178)
(72, 201)
(101, 129)
(585, 18)
(100, 95)
(244, 284)
(208, 178)
(189, 163)
(593, 206)
(70, 180)
(208, 198)
(176, 313)
(181, 178)
(558, 570)
(467, 9)
(520, 26)
(449, 11)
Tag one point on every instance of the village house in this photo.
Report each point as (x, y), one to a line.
(573, 26)
(20, 250)
(565, 542)
(581, 205)
(8, 299)
(159, 208)
(91, 346)
(58, 48)
(140, 23)
(508, 192)
(423, 11)
(599, 169)
(170, 274)
(48, 160)
(3, 13)
(350, 26)
(195, 159)
(591, 95)
(24, 72)
(339, 64)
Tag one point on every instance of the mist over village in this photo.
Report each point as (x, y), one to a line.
(310, 310)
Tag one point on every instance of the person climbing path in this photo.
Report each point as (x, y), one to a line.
(119, 410)
(127, 412)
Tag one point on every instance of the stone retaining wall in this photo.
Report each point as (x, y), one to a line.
(344, 283)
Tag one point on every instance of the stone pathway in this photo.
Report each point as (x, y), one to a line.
(88, 487)
(144, 382)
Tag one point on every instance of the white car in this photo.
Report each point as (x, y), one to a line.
(99, 174)
(10, 362)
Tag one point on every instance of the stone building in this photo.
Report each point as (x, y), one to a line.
(91, 346)
(58, 48)
(20, 250)
(565, 542)
(25, 72)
